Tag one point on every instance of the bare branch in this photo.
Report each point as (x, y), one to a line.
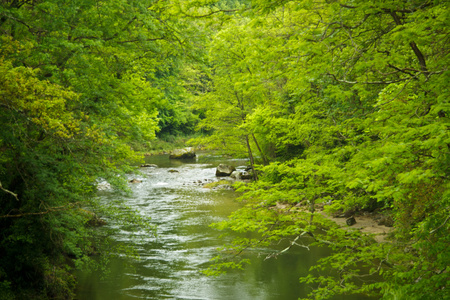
(347, 6)
(211, 13)
(399, 92)
(8, 191)
(434, 230)
(413, 45)
(403, 70)
(368, 82)
(49, 210)
(292, 243)
(138, 40)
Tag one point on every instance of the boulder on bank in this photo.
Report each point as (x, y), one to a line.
(224, 170)
(238, 175)
(223, 184)
(185, 153)
(246, 175)
(350, 221)
(387, 221)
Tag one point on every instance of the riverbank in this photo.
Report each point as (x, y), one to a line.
(171, 264)
(376, 224)
(368, 223)
(161, 146)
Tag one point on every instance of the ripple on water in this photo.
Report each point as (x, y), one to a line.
(169, 264)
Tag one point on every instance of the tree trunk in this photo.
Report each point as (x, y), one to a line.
(265, 162)
(250, 155)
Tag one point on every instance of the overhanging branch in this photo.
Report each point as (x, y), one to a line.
(8, 191)
(49, 210)
(211, 13)
(413, 45)
(368, 82)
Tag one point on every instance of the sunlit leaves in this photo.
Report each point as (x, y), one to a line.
(357, 93)
(80, 81)
(44, 103)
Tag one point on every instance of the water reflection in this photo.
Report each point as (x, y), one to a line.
(169, 265)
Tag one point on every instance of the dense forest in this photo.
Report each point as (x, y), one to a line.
(338, 104)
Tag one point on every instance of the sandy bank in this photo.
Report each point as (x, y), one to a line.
(366, 223)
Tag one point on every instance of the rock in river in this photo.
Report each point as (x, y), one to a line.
(186, 153)
(224, 170)
(149, 166)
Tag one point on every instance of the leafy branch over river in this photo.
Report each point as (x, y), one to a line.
(337, 104)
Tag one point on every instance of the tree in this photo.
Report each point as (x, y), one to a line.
(78, 86)
(364, 98)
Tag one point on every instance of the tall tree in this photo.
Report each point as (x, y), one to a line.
(363, 98)
(80, 81)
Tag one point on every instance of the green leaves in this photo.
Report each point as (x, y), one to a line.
(349, 101)
(42, 101)
(81, 81)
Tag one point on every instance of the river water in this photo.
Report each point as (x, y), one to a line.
(170, 264)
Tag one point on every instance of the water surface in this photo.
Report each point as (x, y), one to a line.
(170, 264)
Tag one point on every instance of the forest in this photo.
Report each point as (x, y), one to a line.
(341, 105)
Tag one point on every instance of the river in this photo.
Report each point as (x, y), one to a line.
(170, 264)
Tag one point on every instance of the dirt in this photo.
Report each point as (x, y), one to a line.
(366, 223)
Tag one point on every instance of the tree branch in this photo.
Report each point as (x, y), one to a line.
(367, 82)
(211, 13)
(8, 191)
(396, 95)
(292, 243)
(419, 56)
(403, 70)
(144, 40)
(50, 210)
(416, 50)
(434, 230)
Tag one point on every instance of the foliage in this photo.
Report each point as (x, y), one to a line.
(342, 104)
(349, 101)
(80, 82)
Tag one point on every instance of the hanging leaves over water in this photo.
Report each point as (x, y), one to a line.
(350, 102)
(343, 104)
(80, 82)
